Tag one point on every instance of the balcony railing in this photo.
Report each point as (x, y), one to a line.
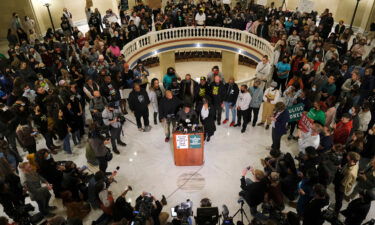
(237, 37)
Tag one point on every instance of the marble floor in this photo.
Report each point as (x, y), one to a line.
(147, 164)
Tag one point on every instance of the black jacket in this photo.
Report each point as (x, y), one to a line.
(209, 122)
(357, 211)
(168, 107)
(138, 101)
(217, 93)
(254, 192)
(203, 90)
(313, 211)
(186, 89)
(110, 92)
(339, 29)
(231, 93)
(61, 128)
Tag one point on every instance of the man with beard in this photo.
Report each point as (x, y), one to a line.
(188, 89)
(168, 108)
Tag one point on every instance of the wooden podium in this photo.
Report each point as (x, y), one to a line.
(188, 149)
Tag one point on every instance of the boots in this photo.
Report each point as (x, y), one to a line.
(155, 118)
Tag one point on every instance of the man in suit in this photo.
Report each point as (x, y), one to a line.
(279, 124)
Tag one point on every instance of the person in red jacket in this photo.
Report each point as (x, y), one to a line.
(342, 129)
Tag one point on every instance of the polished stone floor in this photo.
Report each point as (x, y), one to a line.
(147, 164)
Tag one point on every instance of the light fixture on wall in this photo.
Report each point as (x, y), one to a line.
(354, 13)
(47, 4)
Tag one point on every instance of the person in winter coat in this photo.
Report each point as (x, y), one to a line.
(38, 193)
(155, 94)
(358, 209)
(203, 91)
(343, 129)
(231, 94)
(167, 79)
(207, 115)
(243, 102)
(313, 214)
(217, 95)
(168, 108)
(270, 97)
(189, 89)
(62, 129)
(364, 118)
(280, 120)
(26, 137)
(138, 103)
(348, 85)
(256, 93)
(345, 179)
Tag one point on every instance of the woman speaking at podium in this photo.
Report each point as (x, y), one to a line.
(207, 115)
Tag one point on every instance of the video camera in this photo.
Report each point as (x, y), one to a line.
(145, 208)
(183, 211)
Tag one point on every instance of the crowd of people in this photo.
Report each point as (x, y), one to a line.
(77, 87)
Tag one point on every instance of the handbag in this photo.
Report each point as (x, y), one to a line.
(108, 156)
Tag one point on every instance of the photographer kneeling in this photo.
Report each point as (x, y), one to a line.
(253, 190)
(149, 213)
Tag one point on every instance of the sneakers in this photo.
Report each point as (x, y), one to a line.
(208, 139)
(141, 129)
(253, 125)
(267, 127)
(232, 124)
(225, 121)
(260, 124)
(166, 139)
(237, 125)
(243, 130)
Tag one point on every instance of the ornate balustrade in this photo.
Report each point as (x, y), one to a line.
(236, 38)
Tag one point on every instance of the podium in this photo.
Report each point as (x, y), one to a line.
(188, 148)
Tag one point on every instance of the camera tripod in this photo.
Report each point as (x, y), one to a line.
(242, 211)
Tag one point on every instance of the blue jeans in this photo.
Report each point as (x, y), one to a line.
(66, 144)
(227, 109)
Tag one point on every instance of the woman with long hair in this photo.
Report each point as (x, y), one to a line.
(155, 94)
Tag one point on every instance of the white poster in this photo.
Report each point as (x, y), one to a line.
(306, 6)
(182, 141)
